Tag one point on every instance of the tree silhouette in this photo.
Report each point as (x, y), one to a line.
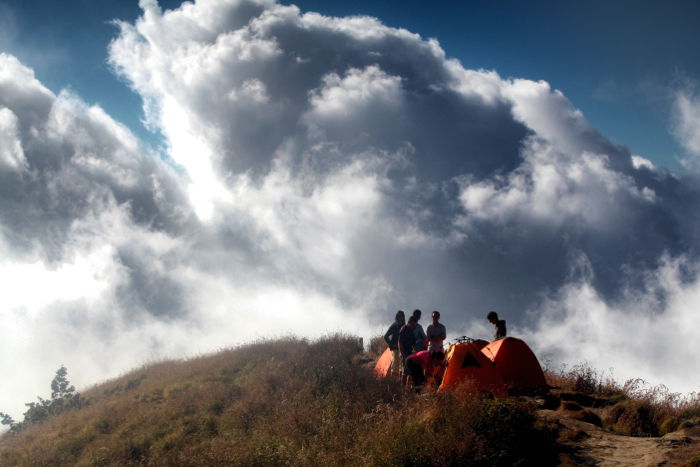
(63, 397)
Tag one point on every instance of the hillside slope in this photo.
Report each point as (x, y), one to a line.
(586, 444)
(295, 402)
(287, 401)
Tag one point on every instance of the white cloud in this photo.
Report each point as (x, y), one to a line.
(483, 84)
(11, 153)
(341, 98)
(554, 188)
(33, 286)
(686, 109)
(640, 162)
(648, 335)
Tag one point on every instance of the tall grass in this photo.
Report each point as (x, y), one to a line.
(634, 408)
(282, 402)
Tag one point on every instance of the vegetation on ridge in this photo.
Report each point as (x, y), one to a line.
(296, 402)
(63, 397)
(633, 408)
(288, 401)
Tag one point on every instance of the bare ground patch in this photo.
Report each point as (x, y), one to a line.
(589, 445)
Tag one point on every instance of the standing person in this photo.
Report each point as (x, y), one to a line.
(406, 341)
(499, 325)
(391, 337)
(421, 363)
(421, 338)
(436, 333)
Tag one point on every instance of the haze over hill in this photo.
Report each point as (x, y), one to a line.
(319, 174)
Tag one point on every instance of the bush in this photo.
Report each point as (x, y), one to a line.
(638, 409)
(377, 346)
(460, 427)
(583, 379)
(633, 418)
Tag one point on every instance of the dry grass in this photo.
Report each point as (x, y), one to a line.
(635, 408)
(295, 402)
(583, 379)
(377, 346)
(692, 462)
(284, 402)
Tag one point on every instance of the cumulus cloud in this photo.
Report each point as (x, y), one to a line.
(322, 173)
(648, 333)
(686, 110)
(80, 204)
(12, 155)
(472, 191)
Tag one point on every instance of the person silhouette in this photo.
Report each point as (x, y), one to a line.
(436, 333)
(499, 325)
(421, 338)
(407, 340)
(422, 363)
(391, 337)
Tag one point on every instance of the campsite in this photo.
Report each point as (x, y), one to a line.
(298, 402)
(502, 367)
(196, 196)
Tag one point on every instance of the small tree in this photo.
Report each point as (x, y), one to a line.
(60, 386)
(7, 420)
(63, 397)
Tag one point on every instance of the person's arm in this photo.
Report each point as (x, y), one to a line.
(420, 335)
(423, 337)
(387, 334)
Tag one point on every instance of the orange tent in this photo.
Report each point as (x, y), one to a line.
(517, 364)
(381, 369)
(480, 343)
(465, 361)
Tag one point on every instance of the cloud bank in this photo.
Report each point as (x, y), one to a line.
(319, 174)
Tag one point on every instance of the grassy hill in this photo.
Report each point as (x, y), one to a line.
(292, 402)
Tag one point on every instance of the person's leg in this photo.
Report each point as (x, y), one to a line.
(404, 370)
(395, 362)
(416, 373)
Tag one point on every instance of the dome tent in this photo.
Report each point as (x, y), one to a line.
(480, 343)
(504, 366)
(465, 361)
(517, 364)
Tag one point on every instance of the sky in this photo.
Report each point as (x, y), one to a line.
(180, 179)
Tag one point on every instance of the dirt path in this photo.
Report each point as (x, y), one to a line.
(589, 445)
